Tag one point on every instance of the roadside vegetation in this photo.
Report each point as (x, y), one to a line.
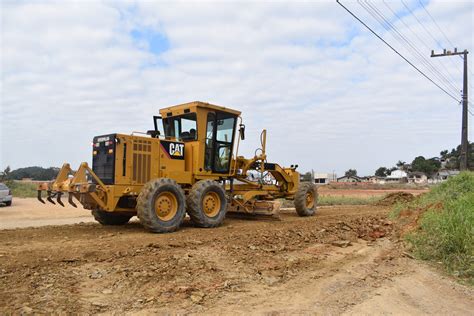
(376, 186)
(347, 200)
(439, 225)
(21, 189)
(327, 200)
(34, 173)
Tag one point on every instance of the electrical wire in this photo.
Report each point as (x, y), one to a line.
(442, 32)
(428, 32)
(432, 19)
(419, 38)
(396, 51)
(383, 20)
(469, 104)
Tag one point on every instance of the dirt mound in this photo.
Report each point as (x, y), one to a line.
(396, 197)
(409, 218)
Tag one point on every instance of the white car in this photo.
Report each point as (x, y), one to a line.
(5, 195)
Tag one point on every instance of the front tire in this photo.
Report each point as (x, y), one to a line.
(306, 199)
(207, 204)
(110, 219)
(9, 203)
(161, 205)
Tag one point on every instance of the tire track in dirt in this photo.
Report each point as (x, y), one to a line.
(245, 266)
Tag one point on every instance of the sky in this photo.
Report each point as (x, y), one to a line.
(330, 94)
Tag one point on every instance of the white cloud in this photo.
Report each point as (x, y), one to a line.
(330, 94)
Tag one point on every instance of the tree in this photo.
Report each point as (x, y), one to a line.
(381, 172)
(402, 165)
(35, 173)
(452, 158)
(444, 154)
(427, 166)
(6, 172)
(351, 173)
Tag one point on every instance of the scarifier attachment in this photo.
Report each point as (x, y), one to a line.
(58, 199)
(70, 201)
(42, 187)
(75, 185)
(50, 196)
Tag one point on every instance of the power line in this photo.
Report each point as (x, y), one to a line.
(442, 32)
(419, 38)
(432, 19)
(412, 48)
(469, 103)
(428, 32)
(396, 51)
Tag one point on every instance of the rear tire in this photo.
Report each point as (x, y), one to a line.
(306, 199)
(110, 219)
(161, 205)
(207, 204)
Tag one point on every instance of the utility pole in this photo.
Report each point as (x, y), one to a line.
(464, 142)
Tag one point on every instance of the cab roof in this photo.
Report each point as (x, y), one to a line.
(192, 107)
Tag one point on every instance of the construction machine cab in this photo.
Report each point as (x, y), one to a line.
(208, 131)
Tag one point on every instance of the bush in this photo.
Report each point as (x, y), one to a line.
(22, 189)
(35, 173)
(446, 228)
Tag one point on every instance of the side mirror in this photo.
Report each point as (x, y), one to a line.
(242, 131)
(153, 133)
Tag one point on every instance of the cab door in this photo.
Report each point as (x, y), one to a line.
(220, 129)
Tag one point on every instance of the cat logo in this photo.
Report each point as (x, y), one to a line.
(176, 149)
(173, 150)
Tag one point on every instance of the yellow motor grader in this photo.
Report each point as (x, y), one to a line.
(188, 163)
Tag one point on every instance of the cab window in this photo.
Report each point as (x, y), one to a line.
(181, 127)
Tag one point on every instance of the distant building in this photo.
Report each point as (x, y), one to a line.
(324, 178)
(349, 179)
(376, 179)
(443, 175)
(417, 177)
(397, 176)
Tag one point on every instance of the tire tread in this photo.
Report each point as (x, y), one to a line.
(143, 210)
(300, 199)
(194, 205)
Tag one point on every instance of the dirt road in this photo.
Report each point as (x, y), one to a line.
(296, 265)
(31, 213)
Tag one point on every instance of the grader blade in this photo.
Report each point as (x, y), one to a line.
(257, 210)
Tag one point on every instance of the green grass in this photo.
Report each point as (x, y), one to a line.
(446, 232)
(398, 207)
(21, 189)
(347, 200)
(324, 200)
